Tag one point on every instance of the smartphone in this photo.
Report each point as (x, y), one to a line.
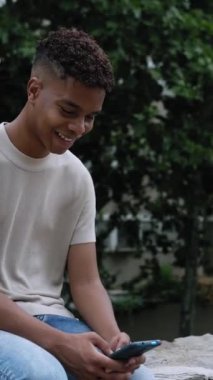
(134, 349)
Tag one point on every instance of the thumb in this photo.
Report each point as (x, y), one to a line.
(101, 344)
(114, 344)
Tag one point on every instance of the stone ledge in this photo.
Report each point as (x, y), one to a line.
(189, 358)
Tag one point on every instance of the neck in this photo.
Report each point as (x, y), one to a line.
(18, 133)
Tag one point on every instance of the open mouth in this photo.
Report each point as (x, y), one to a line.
(63, 137)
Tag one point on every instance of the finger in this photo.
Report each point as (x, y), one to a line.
(100, 343)
(136, 361)
(116, 376)
(119, 341)
(114, 343)
(113, 376)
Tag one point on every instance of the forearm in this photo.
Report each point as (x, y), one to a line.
(77, 352)
(94, 305)
(14, 320)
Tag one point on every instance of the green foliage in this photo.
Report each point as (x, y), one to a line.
(168, 287)
(127, 303)
(156, 128)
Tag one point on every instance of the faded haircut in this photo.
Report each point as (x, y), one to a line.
(73, 53)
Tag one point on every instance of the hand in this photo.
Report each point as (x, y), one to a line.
(120, 340)
(81, 355)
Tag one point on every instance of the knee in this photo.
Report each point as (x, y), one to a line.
(43, 366)
(21, 359)
(143, 373)
(48, 368)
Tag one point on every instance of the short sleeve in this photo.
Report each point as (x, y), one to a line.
(84, 231)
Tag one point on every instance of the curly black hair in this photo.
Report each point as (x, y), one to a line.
(72, 52)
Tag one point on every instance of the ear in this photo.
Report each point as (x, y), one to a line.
(34, 88)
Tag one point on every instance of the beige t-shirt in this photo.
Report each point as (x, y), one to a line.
(46, 205)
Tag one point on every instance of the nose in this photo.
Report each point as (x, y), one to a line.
(77, 126)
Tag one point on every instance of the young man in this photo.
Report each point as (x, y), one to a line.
(47, 215)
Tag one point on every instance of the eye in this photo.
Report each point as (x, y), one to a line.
(90, 118)
(67, 112)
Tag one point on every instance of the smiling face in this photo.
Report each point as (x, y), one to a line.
(59, 111)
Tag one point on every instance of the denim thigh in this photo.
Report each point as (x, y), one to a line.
(65, 324)
(75, 326)
(21, 359)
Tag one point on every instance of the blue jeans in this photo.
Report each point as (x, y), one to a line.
(20, 359)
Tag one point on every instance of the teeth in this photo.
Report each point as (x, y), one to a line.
(64, 137)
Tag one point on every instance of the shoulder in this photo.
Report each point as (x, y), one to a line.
(73, 168)
(70, 158)
(75, 164)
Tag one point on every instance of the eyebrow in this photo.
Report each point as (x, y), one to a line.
(69, 103)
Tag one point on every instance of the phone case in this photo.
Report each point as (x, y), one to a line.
(134, 349)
